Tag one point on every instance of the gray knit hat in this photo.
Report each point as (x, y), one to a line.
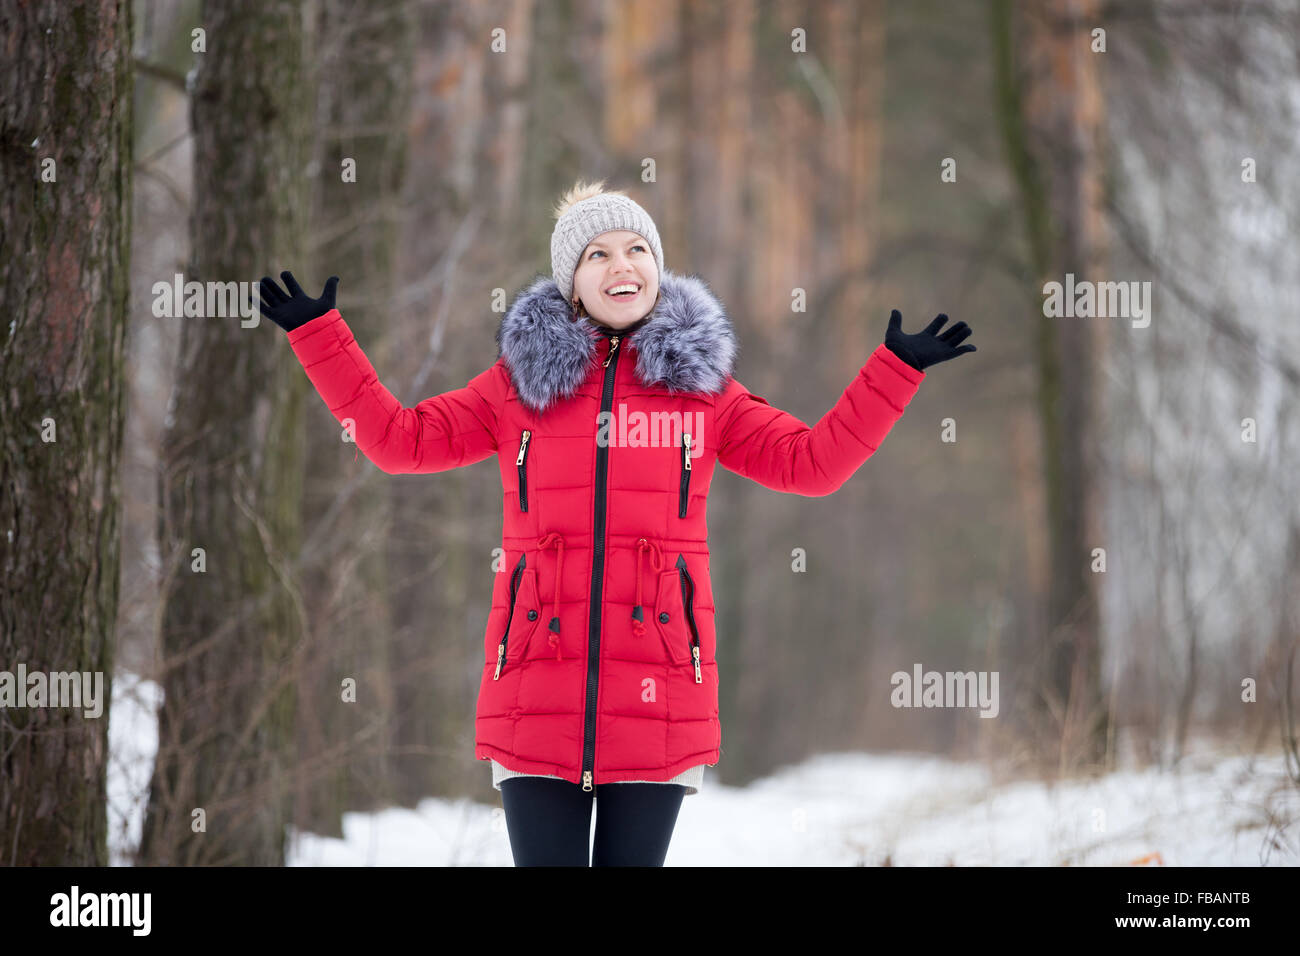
(587, 219)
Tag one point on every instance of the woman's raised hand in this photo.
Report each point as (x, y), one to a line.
(294, 308)
(925, 348)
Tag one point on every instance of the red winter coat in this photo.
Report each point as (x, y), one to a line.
(599, 660)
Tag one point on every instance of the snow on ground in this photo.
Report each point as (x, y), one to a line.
(835, 810)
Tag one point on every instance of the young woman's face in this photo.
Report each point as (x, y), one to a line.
(610, 261)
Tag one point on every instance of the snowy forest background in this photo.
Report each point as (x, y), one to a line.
(919, 155)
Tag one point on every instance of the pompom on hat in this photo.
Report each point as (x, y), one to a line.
(587, 211)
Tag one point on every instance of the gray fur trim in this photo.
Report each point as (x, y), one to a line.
(687, 344)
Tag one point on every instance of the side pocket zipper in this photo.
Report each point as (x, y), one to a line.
(522, 463)
(688, 602)
(684, 494)
(510, 615)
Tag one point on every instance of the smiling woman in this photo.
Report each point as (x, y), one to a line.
(614, 277)
(617, 279)
(600, 662)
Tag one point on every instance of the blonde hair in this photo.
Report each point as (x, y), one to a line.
(583, 190)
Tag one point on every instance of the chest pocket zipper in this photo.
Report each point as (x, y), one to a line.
(522, 463)
(684, 493)
(688, 602)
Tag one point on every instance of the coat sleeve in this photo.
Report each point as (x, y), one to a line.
(777, 450)
(446, 431)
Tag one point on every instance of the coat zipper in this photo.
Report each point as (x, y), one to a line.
(688, 601)
(597, 577)
(522, 463)
(684, 495)
(514, 590)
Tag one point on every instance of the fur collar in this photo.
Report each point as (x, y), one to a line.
(686, 344)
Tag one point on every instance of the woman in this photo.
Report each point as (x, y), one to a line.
(609, 406)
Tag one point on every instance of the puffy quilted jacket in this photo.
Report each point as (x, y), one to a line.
(600, 651)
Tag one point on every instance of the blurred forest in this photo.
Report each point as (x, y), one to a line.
(926, 156)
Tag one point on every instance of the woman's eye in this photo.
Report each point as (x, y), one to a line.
(601, 252)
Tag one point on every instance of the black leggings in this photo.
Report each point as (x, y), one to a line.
(549, 822)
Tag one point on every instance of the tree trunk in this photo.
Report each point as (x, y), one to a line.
(230, 480)
(364, 97)
(1050, 109)
(65, 98)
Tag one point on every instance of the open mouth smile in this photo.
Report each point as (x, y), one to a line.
(623, 291)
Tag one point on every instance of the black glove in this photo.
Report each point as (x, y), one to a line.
(925, 348)
(295, 308)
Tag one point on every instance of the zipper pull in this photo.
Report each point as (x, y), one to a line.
(501, 657)
(523, 447)
(686, 449)
(613, 347)
(695, 653)
(586, 780)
